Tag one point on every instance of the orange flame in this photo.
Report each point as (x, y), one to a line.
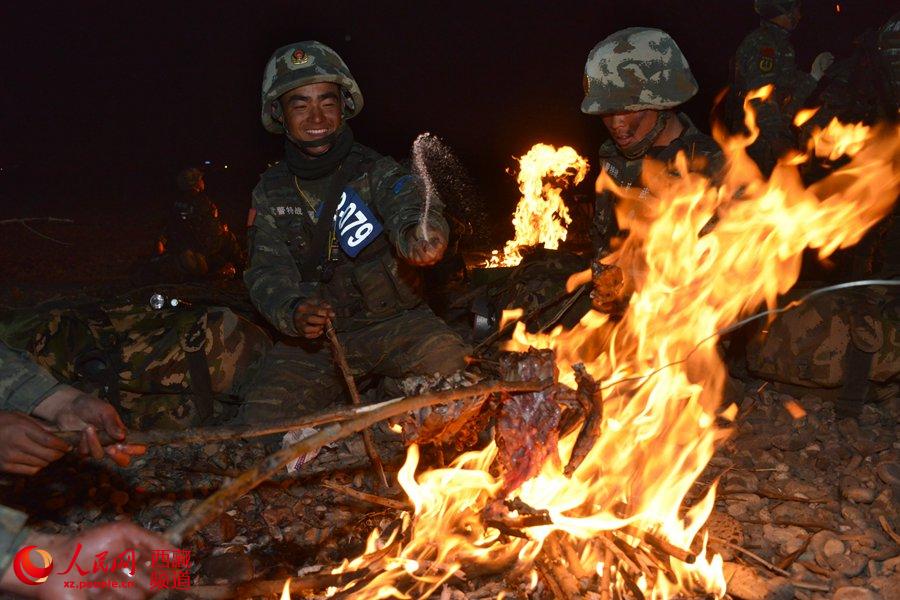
(662, 375)
(541, 216)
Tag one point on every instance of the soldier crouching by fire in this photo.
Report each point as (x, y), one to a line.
(336, 238)
(196, 242)
(633, 80)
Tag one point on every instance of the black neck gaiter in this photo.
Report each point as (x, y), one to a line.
(305, 166)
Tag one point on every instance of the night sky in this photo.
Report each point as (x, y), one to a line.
(103, 102)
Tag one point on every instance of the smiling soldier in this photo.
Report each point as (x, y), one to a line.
(335, 236)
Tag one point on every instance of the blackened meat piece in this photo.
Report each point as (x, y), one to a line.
(527, 424)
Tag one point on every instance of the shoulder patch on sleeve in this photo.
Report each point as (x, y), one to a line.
(401, 183)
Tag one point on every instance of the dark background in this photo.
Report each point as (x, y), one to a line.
(103, 102)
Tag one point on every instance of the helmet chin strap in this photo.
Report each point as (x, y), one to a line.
(639, 148)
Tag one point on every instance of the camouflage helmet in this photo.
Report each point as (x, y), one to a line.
(636, 69)
(189, 178)
(301, 64)
(769, 9)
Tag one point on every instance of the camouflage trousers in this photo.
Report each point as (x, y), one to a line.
(302, 376)
(163, 368)
(811, 345)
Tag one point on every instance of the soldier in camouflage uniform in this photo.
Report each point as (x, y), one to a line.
(336, 235)
(765, 57)
(169, 368)
(196, 242)
(633, 80)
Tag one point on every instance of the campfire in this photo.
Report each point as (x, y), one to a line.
(541, 217)
(611, 502)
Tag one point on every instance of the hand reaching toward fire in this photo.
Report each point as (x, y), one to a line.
(114, 540)
(73, 410)
(426, 247)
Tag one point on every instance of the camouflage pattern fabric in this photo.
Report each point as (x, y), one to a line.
(704, 156)
(375, 285)
(540, 278)
(301, 376)
(808, 345)
(889, 48)
(636, 69)
(766, 56)
(12, 535)
(142, 354)
(304, 63)
(23, 384)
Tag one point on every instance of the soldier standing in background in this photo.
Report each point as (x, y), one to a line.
(766, 56)
(633, 80)
(336, 234)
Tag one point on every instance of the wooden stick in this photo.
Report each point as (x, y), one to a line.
(661, 545)
(554, 555)
(370, 498)
(550, 564)
(31, 219)
(341, 358)
(203, 435)
(591, 400)
(888, 529)
(216, 504)
(752, 555)
(606, 577)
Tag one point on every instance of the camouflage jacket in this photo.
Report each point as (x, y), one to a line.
(375, 285)
(766, 56)
(703, 154)
(23, 384)
(194, 221)
(12, 535)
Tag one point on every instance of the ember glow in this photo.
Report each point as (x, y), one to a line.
(541, 217)
(662, 375)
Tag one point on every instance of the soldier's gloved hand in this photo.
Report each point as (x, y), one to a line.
(425, 248)
(26, 446)
(311, 316)
(113, 539)
(73, 410)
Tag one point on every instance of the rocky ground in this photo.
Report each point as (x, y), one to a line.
(806, 500)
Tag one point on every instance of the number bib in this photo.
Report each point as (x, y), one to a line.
(355, 224)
